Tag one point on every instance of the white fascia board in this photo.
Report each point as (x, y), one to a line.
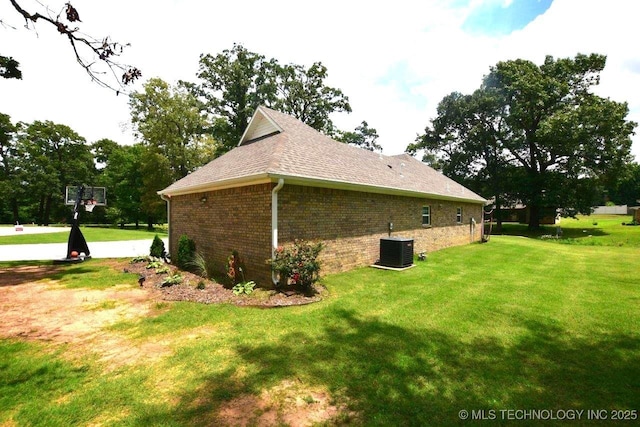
(344, 185)
(261, 178)
(264, 178)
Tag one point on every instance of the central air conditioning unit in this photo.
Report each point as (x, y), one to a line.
(396, 252)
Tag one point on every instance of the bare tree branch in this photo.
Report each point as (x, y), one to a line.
(100, 51)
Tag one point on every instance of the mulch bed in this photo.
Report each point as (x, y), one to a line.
(215, 293)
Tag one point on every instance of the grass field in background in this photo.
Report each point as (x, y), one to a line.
(91, 234)
(517, 323)
(592, 230)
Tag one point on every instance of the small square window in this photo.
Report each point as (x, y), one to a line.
(426, 215)
(459, 215)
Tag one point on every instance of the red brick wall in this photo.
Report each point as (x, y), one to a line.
(233, 219)
(350, 224)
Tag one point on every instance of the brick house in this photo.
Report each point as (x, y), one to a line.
(286, 181)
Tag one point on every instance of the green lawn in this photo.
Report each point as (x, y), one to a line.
(92, 234)
(592, 230)
(517, 323)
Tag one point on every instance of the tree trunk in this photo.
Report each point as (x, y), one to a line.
(534, 217)
(150, 224)
(47, 210)
(41, 211)
(14, 208)
(498, 214)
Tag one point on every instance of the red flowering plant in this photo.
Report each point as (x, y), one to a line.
(298, 265)
(235, 270)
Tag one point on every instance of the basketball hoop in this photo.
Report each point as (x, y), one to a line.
(89, 205)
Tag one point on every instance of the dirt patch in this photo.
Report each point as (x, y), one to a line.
(289, 403)
(34, 307)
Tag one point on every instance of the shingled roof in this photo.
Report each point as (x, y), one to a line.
(278, 146)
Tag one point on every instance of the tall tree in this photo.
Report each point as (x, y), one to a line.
(154, 169)
(122, 176)
(169, 123)
(232, 84)
(168, 120)
(363, 136)
(10, 185)
(303, 94)
(52, 156)
(562, 140)
(464, 142)
(89, 51)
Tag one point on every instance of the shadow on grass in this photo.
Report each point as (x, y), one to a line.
(389, 375)
(24, 273)
(509, 229)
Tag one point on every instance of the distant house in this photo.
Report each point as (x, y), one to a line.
(521, 213)
(286, 181)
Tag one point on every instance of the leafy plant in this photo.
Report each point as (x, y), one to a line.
(139, 259)
(244, 288)
(200, 266)
(157, 248)
(186, 252)
(172, 279)
(154, 264)
(200, 285)
(163, 270)
(298, 265)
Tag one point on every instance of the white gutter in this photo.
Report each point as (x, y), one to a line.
(369, 188)
(168, 200)
(274, 224)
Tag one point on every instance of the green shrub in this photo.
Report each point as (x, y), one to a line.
(186, 252)
(298, 265)
(157, 248)
(200, 285)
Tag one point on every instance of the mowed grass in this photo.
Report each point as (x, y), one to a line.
(586, 230)
(517, 323)
(91, 234)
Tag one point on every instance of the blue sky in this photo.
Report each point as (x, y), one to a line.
(500, 17)
(394, 60)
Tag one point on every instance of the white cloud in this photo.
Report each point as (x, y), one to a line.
(395, 60)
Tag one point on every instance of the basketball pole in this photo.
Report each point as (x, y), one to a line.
(77, 242)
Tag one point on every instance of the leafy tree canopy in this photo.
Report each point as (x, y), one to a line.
(539, 129)
(232, 84)
(168, 120)
(9, 68)
(363, 137)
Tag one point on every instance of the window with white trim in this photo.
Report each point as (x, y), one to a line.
(459, 215)
(426, 215)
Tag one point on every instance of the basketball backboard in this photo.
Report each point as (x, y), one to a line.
(97, 195)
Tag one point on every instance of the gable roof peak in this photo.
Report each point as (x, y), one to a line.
(260, 125)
